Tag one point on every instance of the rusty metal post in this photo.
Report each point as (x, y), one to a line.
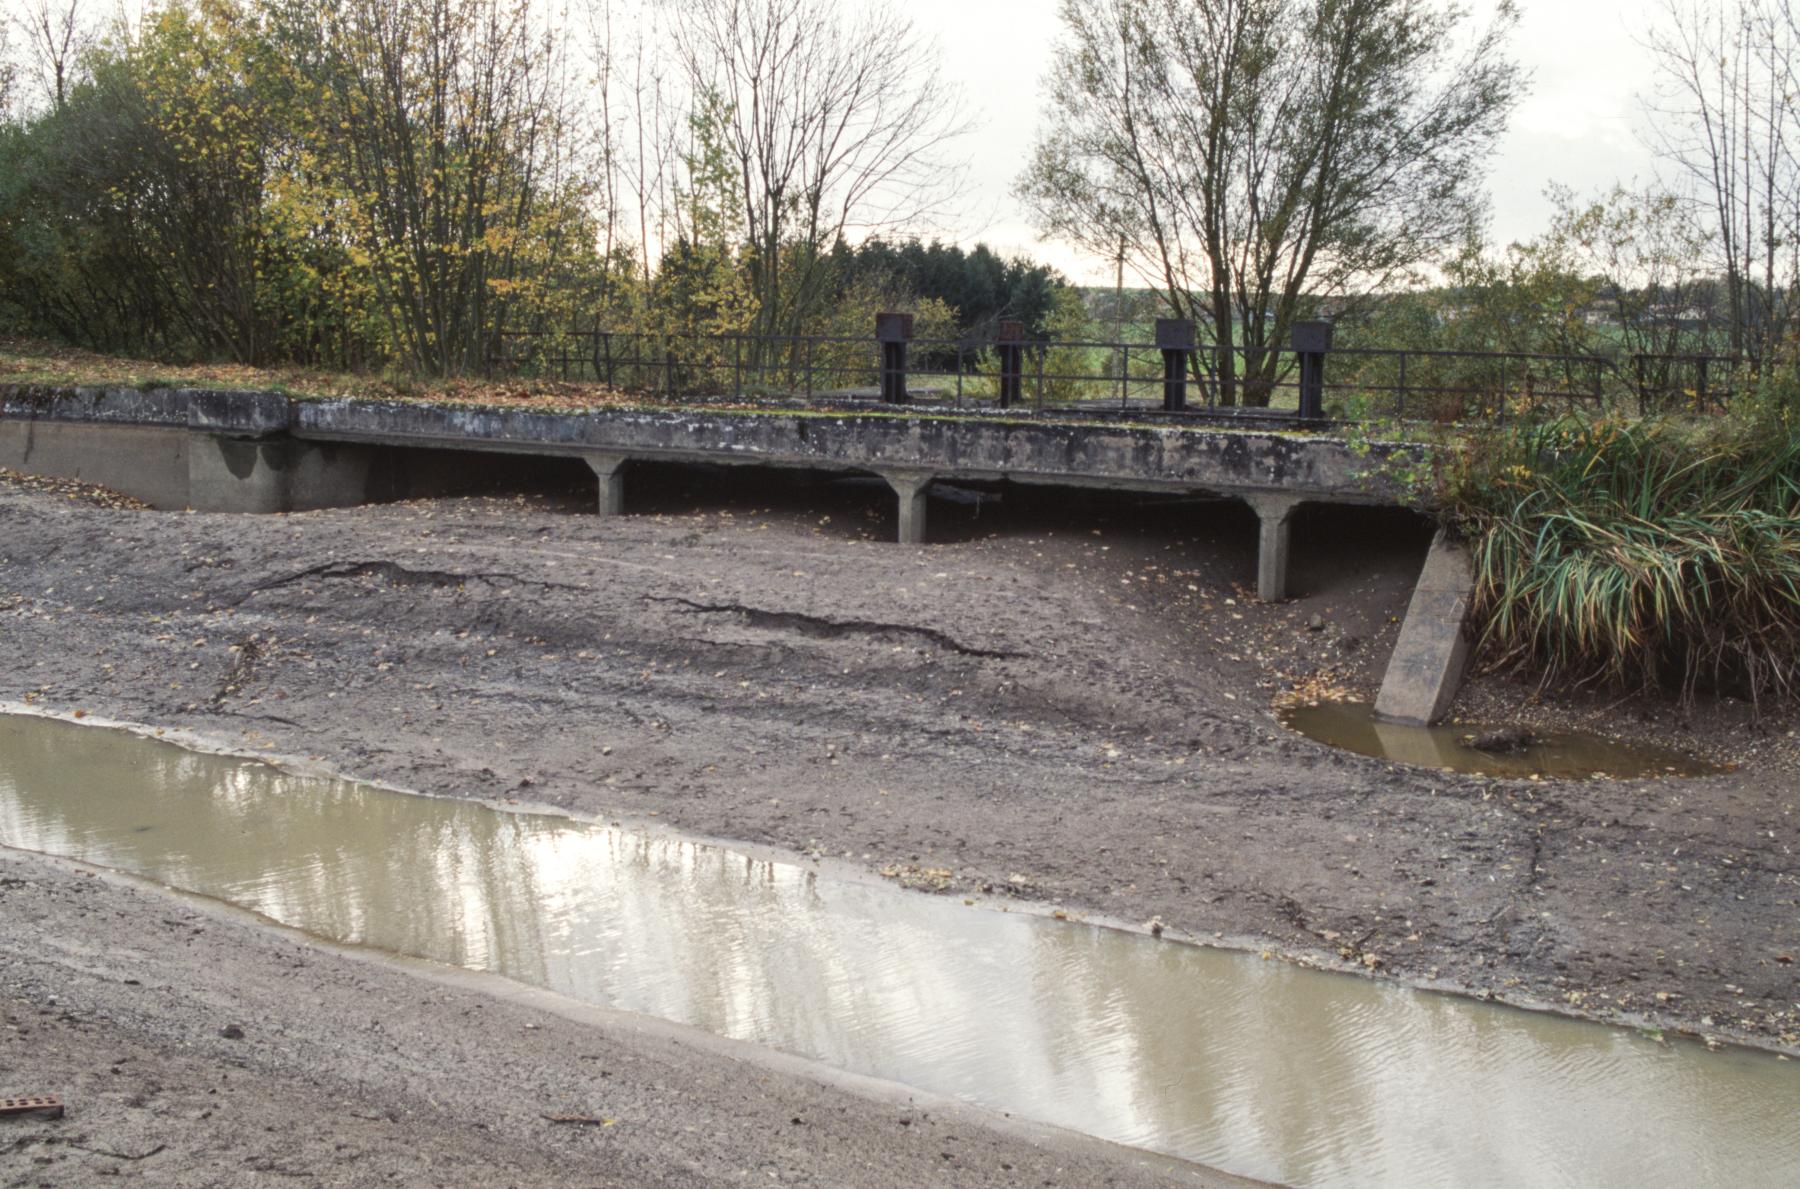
(893, 332)
(1012, 363)
(1312, 340)
(1176, 340)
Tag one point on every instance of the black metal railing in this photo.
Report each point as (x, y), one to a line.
(1174, 375)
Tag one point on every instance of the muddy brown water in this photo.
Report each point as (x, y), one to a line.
(1563, 755)
(1256, 1067)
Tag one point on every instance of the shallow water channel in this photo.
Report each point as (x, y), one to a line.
(1253, 1066)
(1563, 755)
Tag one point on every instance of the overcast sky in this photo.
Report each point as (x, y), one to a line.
(1578, 125)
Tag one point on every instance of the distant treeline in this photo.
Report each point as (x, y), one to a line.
(359, 184)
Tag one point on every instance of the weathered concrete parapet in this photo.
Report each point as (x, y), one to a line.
(609, 468)
(163, 407)
(318, 451)
(239, 414)
(1433, 650)
(1049, 451)
(913, 488)
(1275, 511)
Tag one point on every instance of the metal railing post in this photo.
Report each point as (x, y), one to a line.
(1312, 339)
(893, 332)
(1011, 346)
(1175, 338)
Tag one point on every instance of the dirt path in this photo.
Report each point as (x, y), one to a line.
(1050, 704)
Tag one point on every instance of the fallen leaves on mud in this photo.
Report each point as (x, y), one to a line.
(82, 493)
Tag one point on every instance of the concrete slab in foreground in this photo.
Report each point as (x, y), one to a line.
(1432, 653)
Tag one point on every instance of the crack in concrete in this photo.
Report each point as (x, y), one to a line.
(831, 629)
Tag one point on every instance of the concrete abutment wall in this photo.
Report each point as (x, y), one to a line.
(172, 469)
(280, 474)
(255, 451)
(1432, 654)
(145, 462)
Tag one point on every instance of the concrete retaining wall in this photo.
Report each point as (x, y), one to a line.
(228, 474)
(146, 462)
(210, 451)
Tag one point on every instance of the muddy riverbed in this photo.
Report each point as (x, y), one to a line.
(1205, 1054)
(1063, 703)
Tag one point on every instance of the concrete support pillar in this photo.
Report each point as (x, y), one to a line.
(610, 470)
(912, 487)
(1432, 653)
(1275, 512)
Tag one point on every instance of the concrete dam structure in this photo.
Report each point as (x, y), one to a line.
(267, 452)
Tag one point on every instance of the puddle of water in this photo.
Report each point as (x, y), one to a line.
(1256, 1067)
(1353, 726)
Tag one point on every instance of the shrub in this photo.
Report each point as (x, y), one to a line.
(1650, 552)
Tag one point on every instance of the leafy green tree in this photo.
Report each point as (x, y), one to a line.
(132, 204)
(704, 284)
(1246, 157)
(450, 141)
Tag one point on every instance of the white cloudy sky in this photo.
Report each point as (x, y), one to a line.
(1578, 126)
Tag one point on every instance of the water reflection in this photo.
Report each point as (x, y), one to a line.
(1253, 1066)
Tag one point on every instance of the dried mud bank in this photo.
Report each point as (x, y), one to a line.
(1060, 702)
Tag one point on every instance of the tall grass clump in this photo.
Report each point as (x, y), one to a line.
(1655, 552)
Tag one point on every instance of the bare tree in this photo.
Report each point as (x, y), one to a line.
(1253, 155)
(639, 113)
(1725, 120)
(9, 73)
(836, 126)
(56, 36)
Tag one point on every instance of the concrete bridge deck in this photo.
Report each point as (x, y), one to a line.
(254, 451)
